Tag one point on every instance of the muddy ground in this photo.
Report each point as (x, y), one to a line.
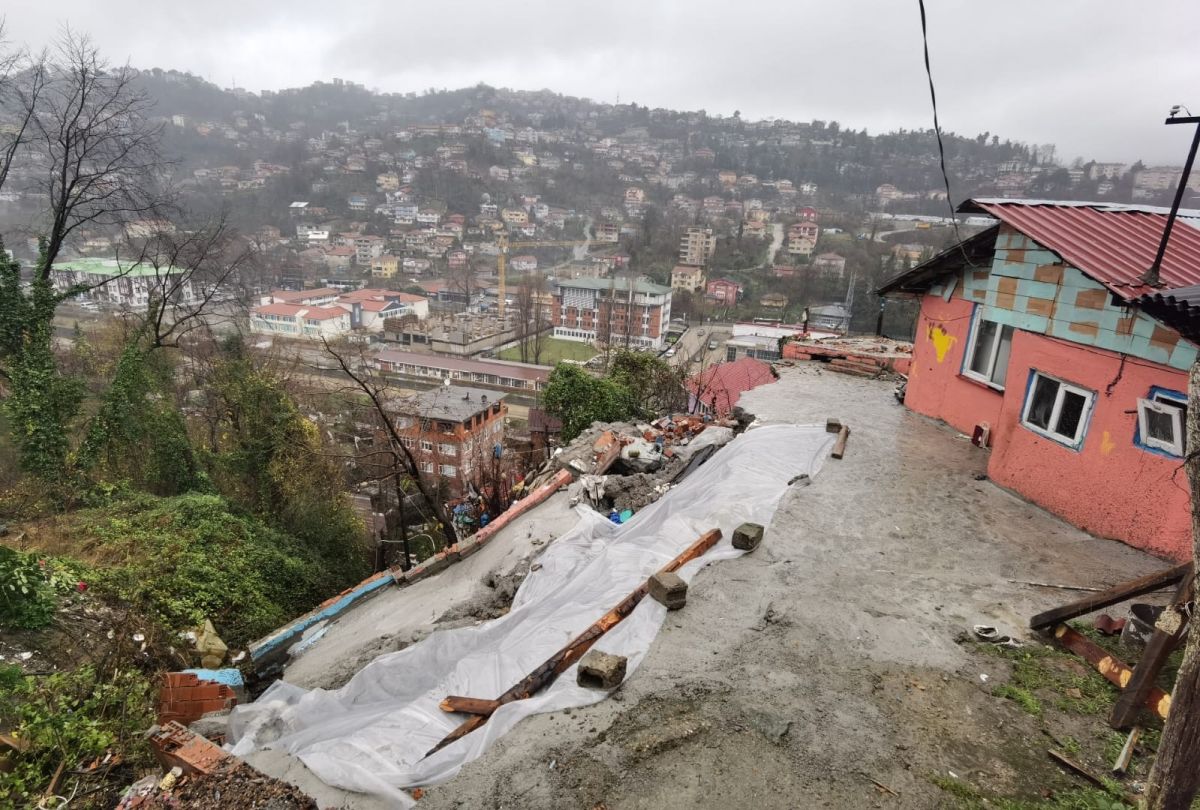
(829, 668)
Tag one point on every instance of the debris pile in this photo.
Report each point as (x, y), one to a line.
(199, 775)
(857, 356)
(623, 467)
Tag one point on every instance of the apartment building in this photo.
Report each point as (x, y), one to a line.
(453, 432)
(687, 278)
(697, 246)
(633, 313)
(114, 284)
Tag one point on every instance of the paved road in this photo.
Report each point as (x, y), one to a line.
(692, 349)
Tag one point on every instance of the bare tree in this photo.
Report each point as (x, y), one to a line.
(190, 272)
(542, 318)
(405, 463)
(526, 314)
(90, 128)
(22, 79)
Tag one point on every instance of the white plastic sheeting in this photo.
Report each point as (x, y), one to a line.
(371, 735)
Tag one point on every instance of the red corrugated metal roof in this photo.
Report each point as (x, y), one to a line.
(725, 383)
(1115, 246)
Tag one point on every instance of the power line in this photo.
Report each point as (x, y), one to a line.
(937, 129)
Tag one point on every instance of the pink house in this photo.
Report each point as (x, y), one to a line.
(1039, 337)
(724, 290)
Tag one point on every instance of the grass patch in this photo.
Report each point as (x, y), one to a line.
(968, 797)
(554, 350)
(1022, 697)
(1044, 675)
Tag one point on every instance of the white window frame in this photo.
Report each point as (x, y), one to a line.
(447, 449)
(427, 466)
(1075, 442)
(969, 355)
(448, 470)
(1155, 403)
(426, 446)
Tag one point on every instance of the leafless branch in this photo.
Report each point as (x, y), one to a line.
(90, 126)
(376, 393)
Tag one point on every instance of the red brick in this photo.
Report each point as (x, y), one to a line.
(182, 679)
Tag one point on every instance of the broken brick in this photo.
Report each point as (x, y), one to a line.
(668, 589)
(747, 536)
(600, 670)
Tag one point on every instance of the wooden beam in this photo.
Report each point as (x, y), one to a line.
(839, 448)
(1114, 670)
(562, 660)
(1115, 594)
(1158, 649)
(468, 705)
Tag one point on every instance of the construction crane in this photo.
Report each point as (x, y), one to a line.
(502, 259)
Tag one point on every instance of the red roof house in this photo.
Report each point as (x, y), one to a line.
(717, 389)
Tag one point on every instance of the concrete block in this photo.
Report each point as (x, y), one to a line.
(747, 536)
(668, 590)
(599, 670)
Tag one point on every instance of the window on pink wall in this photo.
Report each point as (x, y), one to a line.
(988, 351)
(1162, 419)
(1057, 409)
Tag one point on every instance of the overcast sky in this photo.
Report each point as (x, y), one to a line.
(1095, 77)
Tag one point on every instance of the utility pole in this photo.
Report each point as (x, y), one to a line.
(1151, 276)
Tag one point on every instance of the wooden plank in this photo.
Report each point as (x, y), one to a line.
(839, 448)
(1114, 670)
(1158, 649)
(1115, 594)
(1072, 765)
(562, 660)
(468, 705)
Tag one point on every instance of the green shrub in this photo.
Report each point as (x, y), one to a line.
(187, 558)
(70, 718)
(29, 588)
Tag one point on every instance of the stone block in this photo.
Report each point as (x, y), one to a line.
(747, 536)
(668, 589)
(599, 670)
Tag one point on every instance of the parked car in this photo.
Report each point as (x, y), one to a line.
(712, 344)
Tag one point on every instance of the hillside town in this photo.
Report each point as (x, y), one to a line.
(489, 447)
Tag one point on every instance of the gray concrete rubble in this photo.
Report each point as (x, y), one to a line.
(599, 670)
(668, 589)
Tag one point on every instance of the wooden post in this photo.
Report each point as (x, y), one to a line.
(1160, 646)
(839, 448)
(1114, 670)
(1115, 594)
(562, 660)
(1175, 777)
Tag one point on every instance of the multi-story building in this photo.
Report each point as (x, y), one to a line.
(697, 246)
(687, 278)
(110, 282)
(366, 248)
(453, 432)
(385, 266)
(300, 320)
(622, 311)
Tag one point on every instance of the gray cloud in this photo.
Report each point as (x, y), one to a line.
(1096, 77)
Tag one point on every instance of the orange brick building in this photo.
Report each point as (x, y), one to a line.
(453, 432)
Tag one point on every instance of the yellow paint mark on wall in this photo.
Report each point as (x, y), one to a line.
(1106, 443)
(941, 340)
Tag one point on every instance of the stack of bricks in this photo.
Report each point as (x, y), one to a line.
(185, 698)
(177, 747)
